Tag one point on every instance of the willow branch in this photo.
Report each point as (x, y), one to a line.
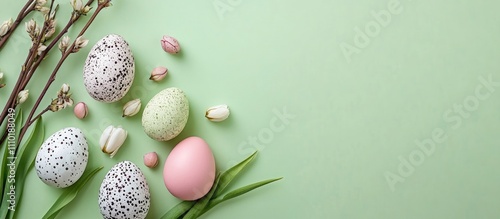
(28, 8)
(56, 69)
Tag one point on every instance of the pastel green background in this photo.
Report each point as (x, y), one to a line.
(354, 120)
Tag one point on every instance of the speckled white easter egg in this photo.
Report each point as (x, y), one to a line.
(124, 193)
(62, 158)
(109, 69)
(166, 114)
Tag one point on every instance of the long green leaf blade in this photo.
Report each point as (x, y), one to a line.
(9, 157)
(5, 152)
(28, 150)
(70, 194)
(228, 175)
(238, 192)
(200, 205)
(25, 157)
(3, 175)
(179, 210)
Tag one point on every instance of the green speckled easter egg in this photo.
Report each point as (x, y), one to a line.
(166, 114)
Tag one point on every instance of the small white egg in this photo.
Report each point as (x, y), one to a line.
(62, 158)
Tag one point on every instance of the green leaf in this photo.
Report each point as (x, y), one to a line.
(200, 205)
(25, 158)
(179, 210)
(5, 152)
(31, 145)
(5, 169)
(228, 175)
(238, 192)
(197, 208)
(70, 194)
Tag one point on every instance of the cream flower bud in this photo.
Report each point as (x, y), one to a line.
(51, 28)
(65, 88)
(131, 108)
(31, 26)
(81, 110)
(6, 25)
(77, 5)
(44, 10)
(112, 139)
(22, 96)
(1, 79)
(170, 45)
(80, 42)
(86, 9)
(217, 113)
(151, 159)
(41, 2)
(106, 3)
(158, 73)
(63, 44)
(41, 48)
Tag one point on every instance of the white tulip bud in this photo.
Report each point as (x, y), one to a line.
(131, 108)
(112, 139)
(22, 96)
(217, 113)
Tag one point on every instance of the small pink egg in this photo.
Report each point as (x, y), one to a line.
(81, 110)
(189, 170)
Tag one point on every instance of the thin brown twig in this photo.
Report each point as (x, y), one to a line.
(12, 101)
(28, 8)
(72, 20)
(38, 116)
(52, 78)
(25, 77)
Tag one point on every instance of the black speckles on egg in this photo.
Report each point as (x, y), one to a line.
(109, 69)
(62, 158)
(124, 192)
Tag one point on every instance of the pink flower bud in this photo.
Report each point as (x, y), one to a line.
(81, 110)
(170, 45)
(158, 73)
(151, 159)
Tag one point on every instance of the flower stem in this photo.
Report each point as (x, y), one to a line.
(29, 68)
(54, 72)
